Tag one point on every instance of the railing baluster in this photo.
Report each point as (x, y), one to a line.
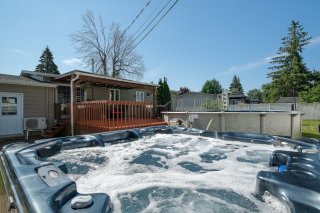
(107, 115)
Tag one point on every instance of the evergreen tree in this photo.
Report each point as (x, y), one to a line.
(166, 91)
(160, 92)
(163, 92)
(290, 75)
(46, 63)
(236, 86)
(183, 90)
(212, 87)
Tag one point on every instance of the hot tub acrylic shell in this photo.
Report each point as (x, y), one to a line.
(40, 186)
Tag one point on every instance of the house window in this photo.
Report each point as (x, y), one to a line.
(139, 96)
(80, 96)
(9, 106)
(114, 95)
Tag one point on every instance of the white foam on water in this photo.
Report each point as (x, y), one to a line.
(175, 173)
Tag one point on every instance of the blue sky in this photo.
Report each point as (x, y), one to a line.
(197, 41)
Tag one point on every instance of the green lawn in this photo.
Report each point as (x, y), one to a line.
(310, 128)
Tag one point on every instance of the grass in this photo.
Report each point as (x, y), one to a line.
(310, 128)
(2, 190)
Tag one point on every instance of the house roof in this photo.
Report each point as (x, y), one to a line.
(235, 96)
(175, 92)
(101, 79)
(288, 100)
(21, 80)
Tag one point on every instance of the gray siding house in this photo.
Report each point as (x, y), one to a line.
(34, 94)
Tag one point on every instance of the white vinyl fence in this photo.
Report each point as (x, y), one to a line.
(195, 105)
(311, 110)
(262, 107)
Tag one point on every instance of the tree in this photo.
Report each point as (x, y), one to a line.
(255, 93)
(163, 92)
(290, 75)
(46, 63)
(212, 87)
(311, 95)
(269, 93)
(183, 90)
(314, 78)
(112, 50)
(236, 86)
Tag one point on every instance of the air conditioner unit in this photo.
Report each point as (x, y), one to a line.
(35, 123)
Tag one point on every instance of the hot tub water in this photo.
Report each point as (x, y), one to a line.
(174, 173)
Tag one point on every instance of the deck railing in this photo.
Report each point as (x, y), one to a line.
(98, 116)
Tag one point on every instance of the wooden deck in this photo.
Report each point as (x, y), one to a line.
(93, 126)
(104, 116)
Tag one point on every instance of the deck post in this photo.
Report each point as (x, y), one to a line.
(72, 96)
(154, 94)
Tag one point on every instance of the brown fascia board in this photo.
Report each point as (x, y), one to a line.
(85, 76)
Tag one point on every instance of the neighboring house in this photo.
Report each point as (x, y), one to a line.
(254, 101)
(237, 99)
(34, 94)
(191, 101)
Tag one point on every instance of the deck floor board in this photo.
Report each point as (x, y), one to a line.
(93, 126)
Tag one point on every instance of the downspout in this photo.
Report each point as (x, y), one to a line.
(72, 102)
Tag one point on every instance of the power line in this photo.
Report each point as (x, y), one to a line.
(153, 20)
(155, 24)
(138, 15)
(149, 17)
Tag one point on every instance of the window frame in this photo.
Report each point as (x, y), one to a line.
(114, 91)
(140, 94)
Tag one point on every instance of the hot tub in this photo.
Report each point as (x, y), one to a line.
(164, 169)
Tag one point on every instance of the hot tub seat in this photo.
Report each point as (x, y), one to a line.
(297, 182)
(40, 186)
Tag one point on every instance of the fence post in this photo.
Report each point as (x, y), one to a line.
(222, 122)
(262, 122)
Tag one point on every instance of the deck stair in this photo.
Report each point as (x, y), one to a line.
(54, 130)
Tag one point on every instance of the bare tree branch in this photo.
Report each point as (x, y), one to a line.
(112, 50)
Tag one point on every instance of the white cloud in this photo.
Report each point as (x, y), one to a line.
(73, 62)
(315, 40)
(269, 58)
(245, 67)
(19, 51)
(249, 66)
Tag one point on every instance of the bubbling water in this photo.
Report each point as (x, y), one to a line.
(174, 173)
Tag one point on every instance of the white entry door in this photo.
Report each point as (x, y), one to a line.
(11, 113)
